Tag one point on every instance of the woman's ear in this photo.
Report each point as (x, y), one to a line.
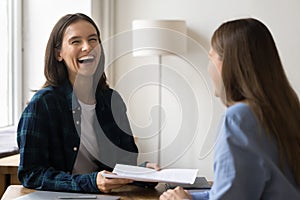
(58, 56)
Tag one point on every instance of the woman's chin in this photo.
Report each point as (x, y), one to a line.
(86, 70)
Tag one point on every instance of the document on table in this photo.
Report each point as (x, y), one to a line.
(49, 195)
(136, 173)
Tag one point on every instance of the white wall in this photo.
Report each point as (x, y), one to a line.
(39, 18)
(203, 17)
(191, 112)
(184, 145)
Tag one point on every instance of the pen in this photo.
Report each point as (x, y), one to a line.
(78, 197)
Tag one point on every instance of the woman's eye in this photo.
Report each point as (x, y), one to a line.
(75, 42)
(93, 39)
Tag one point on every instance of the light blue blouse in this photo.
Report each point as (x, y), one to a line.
(246, 162)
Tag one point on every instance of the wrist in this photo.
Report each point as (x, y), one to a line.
(144, 164)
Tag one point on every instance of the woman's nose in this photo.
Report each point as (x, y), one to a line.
(86, 46)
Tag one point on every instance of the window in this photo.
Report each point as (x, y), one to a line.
(10, 62)
(5, 76)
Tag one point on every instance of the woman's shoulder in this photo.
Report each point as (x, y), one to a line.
(109, 93)
(241, 125)
(42, 92)
(47, 94)
(240, 121)
(111, 98)
(240, 112)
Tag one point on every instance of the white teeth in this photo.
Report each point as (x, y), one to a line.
(86, 58)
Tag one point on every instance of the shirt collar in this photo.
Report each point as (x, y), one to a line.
(72, 101)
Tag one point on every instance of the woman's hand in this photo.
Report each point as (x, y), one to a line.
(107, 184)
(153, 166)
(177, 194)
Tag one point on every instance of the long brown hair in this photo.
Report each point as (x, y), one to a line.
(55, 71)
(252, 71)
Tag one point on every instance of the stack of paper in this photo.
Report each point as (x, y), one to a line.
(150, 175)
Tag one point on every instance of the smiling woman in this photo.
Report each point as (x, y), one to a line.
(81, 122)
(80, 50)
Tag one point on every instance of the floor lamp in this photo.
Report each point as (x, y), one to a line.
(158, 38)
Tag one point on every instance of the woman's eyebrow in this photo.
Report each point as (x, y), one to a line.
(74, 38)
(93, 35)
(78, 37)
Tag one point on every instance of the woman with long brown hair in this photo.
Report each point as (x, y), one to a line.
(75, 128)
(256, 155)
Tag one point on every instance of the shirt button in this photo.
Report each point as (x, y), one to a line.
(78, 108)
(74, 112)
(74, 148)
(77, 122)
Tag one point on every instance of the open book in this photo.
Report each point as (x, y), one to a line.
(136, 173)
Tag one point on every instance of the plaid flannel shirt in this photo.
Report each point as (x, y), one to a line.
(49, 137)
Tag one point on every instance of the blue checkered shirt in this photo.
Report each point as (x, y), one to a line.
(49, 138)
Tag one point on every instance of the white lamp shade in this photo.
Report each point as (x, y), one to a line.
(158, 37)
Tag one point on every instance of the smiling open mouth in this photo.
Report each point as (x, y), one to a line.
(86, 59)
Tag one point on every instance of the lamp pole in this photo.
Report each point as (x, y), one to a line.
(158, 37)
(159, 108)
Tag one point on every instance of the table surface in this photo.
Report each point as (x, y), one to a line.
(126, 192)
(9, 165)
(8, 172)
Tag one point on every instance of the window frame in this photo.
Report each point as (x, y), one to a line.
(15, 61)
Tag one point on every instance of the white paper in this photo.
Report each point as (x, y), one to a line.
(136, 173)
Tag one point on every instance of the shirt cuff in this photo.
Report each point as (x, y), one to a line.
(200, 195)
(144, 164)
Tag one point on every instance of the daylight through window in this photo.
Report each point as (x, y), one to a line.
(6, 112)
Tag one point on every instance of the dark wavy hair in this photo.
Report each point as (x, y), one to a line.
(56, 72)
(252, 71)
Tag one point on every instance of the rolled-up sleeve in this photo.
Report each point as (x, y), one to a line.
(44, 163)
